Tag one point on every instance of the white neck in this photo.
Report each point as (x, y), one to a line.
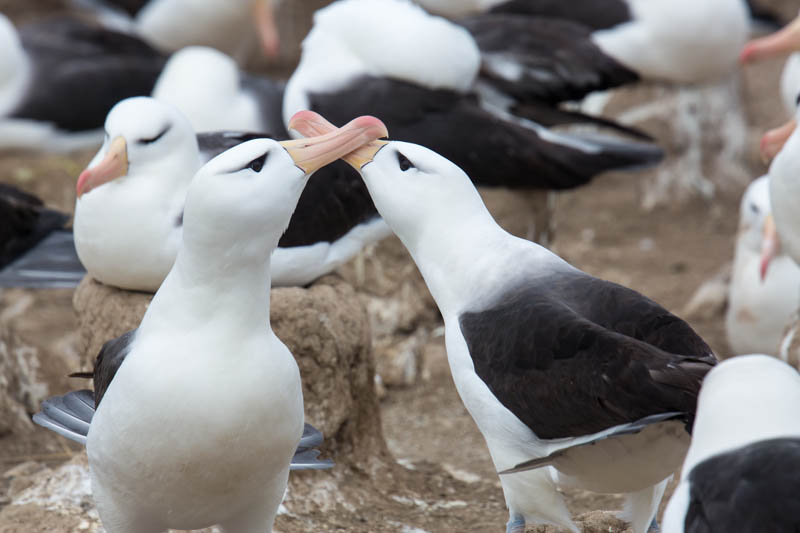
(468, 263)
(202, 287)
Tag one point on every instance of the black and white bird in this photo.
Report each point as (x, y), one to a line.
(232, 26)
(765, 282)
(199, 411)
(422, 82)
(207, 86)
(557, 368)
(60, 77)
(130, 200)
(36, 249)
(679, 41)
(741, 470)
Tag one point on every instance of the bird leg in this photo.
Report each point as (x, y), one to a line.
(516, 524)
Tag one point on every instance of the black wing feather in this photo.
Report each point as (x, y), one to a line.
(82, 70)
(748, 490)
(572, 355)
(504, 154)
(596, 14)
(108, 361)
(556, 59)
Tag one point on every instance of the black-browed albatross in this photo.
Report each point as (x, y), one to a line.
(741, 470)
(422, 80)
(202, 417)
(59, 78)
(546, 358)
(128, 212)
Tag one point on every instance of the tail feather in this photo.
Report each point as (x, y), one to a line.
(312, 437)
(308, 460)
(52, 263)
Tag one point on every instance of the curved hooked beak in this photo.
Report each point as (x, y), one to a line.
(309, 123)
(772, 142)
(113, 166)
(770, 246)
(783, 41)
(327, 146)
(268, 36)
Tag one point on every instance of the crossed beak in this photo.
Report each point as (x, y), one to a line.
(309, 124)
(113, 166)
(328, 144)
(770, 245)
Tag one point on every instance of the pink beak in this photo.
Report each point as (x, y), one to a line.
(316, 151)
(113, 166)
(784, 41)
(770, 246)
(309, 124)
(772, 142)
(264, 14)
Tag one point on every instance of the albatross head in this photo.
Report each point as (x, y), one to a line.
(254, 187)
(757, 229)
(144, 137)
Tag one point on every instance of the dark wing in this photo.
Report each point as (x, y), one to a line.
(81, 71)
(131, 7)
(531, 58)
(24, 221)
(108, 361)
(493, 150)
(548, 115)
(748, 490)
(52, 263)
(572, 355)
(334, 201)
(269, 96)
(213, 143)
(596, 14)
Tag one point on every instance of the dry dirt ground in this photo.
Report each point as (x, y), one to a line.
(666, 253)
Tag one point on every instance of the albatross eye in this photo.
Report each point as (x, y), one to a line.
(258, 163)
(151, 140)
(404, 163)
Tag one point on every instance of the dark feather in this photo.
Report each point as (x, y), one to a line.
(556, 59)
(81, 71)
(752, 489)
(573, 355)
(491, 150)
(596, 14)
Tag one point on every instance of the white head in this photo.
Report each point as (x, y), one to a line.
(144, 139)
(204, 84)
(382, 38)
(753, 212)
(243, 198)
(744, 399)
(14, 69)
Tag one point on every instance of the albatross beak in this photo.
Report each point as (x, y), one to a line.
(770, 245)
(317, 151)
(772, 142)
(264, 13)
(113, 165)
(309, 124)
(782, 41)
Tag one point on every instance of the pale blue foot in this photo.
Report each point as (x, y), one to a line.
(654, 527)
(516, 524)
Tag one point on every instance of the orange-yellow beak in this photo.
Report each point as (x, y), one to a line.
(772, 142)
(783, 41)
(264, 14)
(326, 146)
(309, 124)
(113, 166)
(770, 245)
